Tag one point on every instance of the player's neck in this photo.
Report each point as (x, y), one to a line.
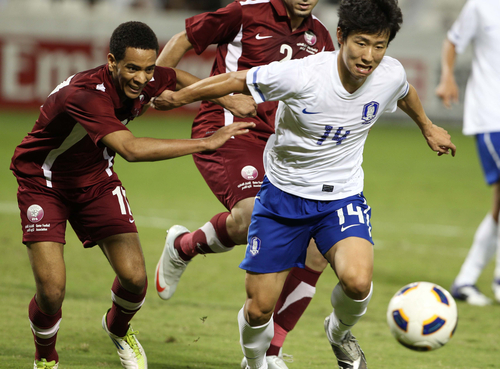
(296, 22)
(349, 82)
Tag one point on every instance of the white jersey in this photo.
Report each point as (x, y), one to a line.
(479, 23)
(317, 150)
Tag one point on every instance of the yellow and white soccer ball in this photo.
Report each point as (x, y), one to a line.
(422, 316)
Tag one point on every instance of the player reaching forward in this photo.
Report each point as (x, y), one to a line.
(64, 168)
(248, 33)
(314, 180)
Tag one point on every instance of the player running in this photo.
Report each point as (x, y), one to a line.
(64, 168)
(248, 33)
(313, 186)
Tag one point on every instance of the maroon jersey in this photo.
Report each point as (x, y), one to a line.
(250, 33)
(64, 150)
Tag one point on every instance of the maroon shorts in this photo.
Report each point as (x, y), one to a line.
(235, 171)
(94, 212)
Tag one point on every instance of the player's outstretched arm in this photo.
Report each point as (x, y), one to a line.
(174, 50)
(437, 138)
(447, 90)
(205, 89)
(135, 149)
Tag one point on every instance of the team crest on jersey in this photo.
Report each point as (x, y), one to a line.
(370, 111)
(310, 38)
(249, 173)
(254, 245)
(35, 213)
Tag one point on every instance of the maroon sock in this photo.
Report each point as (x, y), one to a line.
(125, 305)
(44, 328)
(302, 283)
(191, 244)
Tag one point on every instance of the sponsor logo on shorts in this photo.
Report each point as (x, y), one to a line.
(342, 229)
(310, 38)
(254, 245)
(249, 172)
(35, 213)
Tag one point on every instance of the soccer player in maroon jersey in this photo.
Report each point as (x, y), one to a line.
(248, 33)
(64, 168)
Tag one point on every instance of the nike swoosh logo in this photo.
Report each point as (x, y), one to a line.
(342, 229)
(131, 220)
(309, 112)
(159, 288)
(259, 37)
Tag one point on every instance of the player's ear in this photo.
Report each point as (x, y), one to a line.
(340, 38)
(111, 62)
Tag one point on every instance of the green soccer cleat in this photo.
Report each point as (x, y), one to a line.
(130, 351)
(44, 364)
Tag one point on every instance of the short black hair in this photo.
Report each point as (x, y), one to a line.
(370, 16)
(133, 34)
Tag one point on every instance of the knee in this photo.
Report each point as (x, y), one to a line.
(50, 298)
(134, 282)
(357, 285)
(239, 228)
(258, 313)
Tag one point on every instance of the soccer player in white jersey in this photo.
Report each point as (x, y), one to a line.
(479, 24)
(314, 180)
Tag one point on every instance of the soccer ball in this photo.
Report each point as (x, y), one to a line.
(422, 316)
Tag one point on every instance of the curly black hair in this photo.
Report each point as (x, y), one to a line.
(133, 34)
(370, 16)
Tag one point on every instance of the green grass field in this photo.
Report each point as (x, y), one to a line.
(425, 211)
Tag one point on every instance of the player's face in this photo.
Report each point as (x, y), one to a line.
(131, 74)
(360, 54)
(299, 8)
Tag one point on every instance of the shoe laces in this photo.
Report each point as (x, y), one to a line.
(287, 358)
(132, 342)
(44, 364)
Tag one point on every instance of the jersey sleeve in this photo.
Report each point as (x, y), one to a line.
(402, 87)
(163, 79)
(275, 81)
(465, 27)
(95, 112)
(216, 27)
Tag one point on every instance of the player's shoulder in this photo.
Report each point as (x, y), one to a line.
(390, 65)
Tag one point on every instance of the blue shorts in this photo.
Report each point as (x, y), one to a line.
(488, 148)
(283, 224)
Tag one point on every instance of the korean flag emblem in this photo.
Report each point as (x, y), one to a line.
(254, 246)
(370, 111)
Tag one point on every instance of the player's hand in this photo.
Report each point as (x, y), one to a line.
(225, 133)
(439, 140)
(447, 91)
(241, 106)
(164, 101)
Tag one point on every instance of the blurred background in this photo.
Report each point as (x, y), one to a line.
(42, 42)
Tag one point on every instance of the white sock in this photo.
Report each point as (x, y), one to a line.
(346, 312)
(480, 253)
(212, 240)
(255, 341)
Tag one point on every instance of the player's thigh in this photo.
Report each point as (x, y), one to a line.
(101, 211)
(314, 259)
(125, 255)
(352, 260)
(49, 271)
(263, 291)
(233, 172)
